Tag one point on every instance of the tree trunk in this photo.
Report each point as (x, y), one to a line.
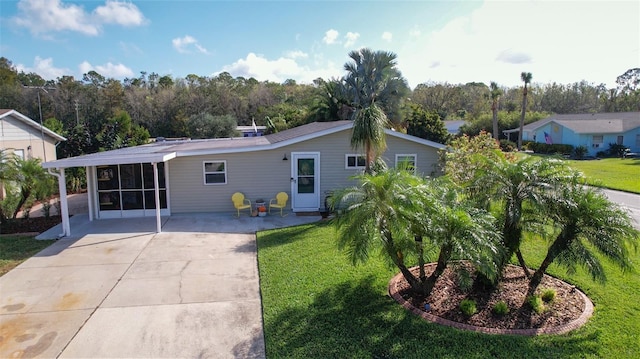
(523, 264)
(25, 194)
(494, 109)
(420, 250)
(560, 244)
(443, 259)
(524, 110)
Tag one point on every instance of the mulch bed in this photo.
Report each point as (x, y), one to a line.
(29, 225)
(570, 309)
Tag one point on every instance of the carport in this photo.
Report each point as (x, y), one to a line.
(147, 154)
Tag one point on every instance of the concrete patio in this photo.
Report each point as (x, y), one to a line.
(114, 288)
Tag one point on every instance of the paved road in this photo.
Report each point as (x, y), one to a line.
(629, 200)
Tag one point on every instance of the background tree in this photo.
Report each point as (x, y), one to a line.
(526, 78)
(427, 125)
(206, 125)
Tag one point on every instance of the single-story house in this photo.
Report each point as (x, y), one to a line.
(453, 126)
(166, 177)
(25, 138)
(595, 131)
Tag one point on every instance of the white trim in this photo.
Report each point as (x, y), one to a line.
(205, 173)
(33, 124)
(317, 177)
(356, 167)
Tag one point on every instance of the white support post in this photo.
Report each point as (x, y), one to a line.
(64, 205)
(156, 185)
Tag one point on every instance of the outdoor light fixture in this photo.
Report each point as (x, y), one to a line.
(285, 157)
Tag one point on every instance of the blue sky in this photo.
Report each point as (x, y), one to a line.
(435, 41)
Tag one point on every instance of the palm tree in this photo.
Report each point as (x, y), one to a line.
(517, 186)
(31, 179)
(496, 92)
(526, 78)
(406, 214)
(373, 83)
(586, 222)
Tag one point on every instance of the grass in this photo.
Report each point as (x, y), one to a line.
(613, 173)
(16, 249)
(317, 305)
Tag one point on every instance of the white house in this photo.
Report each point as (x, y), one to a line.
(595, 131)
(168, 177)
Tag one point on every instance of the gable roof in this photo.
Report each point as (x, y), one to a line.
(610, 122)
(20, 117)
(166, 150)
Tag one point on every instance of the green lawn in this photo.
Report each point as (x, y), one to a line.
(317, 305)
(614, 173)
(17, 249)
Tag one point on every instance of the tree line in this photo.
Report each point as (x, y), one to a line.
(98, 113)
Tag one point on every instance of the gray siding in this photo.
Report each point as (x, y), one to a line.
(263, 174)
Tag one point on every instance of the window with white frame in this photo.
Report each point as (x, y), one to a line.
(215, 172)
(352, 161)
(407, 161)
(598, 140)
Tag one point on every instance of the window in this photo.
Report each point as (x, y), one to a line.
(215, 172)
(406, 161)
(620, 140)
(638, 140)
(130, 187)
(354, 161)
(19, 153)
(598, 141)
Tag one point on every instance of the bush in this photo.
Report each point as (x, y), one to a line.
(536, 303)
(548, 295)
(616, 150)
(468, 307)
(580, 151)
(501, 308)
(545, 148)
(508, 146)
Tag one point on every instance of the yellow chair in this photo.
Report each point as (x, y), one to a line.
(240, 202)
(280, 202)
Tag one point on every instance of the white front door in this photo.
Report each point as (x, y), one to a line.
(305, 181)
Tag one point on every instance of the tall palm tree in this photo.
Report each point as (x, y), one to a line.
(518, 186)
(496, 92)
(526, 78)
(586, 222)
(405, 214)
(372, 83)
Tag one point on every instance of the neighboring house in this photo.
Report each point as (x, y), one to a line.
(595, 131)
(201, 175)
(251, 131)
(453, 126)
(25, 138)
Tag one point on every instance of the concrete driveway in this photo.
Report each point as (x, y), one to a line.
(124, 291)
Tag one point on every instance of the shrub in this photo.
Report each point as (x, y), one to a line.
(468, 307)
(580, 151)
(616, 150)
(548, 295)
(507, 146)
(500, 308)
(545, 148)
(536, 303)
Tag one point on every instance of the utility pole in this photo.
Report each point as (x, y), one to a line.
(44, 149)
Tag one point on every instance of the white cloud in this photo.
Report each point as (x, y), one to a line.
(297, 54)
(494, 43)
(330, 37)
(107, 70)
(42, 17)
(121, 13)
(44, 68)
(183, 45)
(387, 36)
(415, 31)
(350, 38)
(279, 70)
